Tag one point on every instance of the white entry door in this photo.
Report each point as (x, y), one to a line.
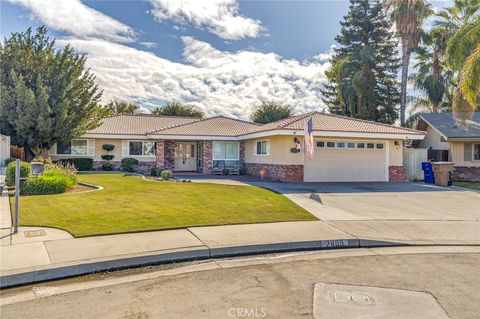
(185, 156)
(339, 161)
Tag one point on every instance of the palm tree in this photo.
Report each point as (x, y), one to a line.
(409, 16)
(457, 16)
(463, 54)
(432, 77)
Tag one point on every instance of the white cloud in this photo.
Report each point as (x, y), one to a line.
(220, 17)
(149, 45)
(219, 82)
(75, 18)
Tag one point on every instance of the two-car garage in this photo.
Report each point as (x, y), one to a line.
(347, 161)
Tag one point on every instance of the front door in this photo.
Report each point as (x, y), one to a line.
(185, 156)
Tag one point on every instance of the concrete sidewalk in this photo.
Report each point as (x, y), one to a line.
(26, 260)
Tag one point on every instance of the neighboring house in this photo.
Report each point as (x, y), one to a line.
(346, 149)
(453, 140)
(4, 149)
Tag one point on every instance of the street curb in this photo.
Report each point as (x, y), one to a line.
(39, 274)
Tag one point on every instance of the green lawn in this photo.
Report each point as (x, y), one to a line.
(471, 185)
(128, 204)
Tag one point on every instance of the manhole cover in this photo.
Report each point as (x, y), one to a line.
(354, 302)
(34, 233)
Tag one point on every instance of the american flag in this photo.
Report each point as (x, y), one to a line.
(308, 132)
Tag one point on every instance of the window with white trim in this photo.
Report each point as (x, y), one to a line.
(261, 147)
(476, 152)
(141, 148)
(75, 147)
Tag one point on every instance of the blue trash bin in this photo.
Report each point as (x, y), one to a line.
(428, 175)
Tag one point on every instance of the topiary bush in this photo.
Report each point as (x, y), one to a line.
(81, 164)
(108, 147)
(108, 166)
(107, 157)
(128, 164)
(10, 172)
(166, 174)
(44, 184)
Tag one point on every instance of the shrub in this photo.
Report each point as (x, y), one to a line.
(166, 174)
(108, 166)
(65, 171)
(107, 157)
(44, 184)
(9, 160)
(128, 164)
(108, 147)
(81, 164)
(10, 173)
(156, 171)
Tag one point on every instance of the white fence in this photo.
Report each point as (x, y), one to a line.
(4, 149)
(412, 160)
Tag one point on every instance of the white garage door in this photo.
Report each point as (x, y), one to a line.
(342, 161)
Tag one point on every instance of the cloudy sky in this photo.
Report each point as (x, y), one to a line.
(222, 55)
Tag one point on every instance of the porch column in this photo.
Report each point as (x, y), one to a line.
(207, 157)
(241, 154)
(169, 155)
(160, 157)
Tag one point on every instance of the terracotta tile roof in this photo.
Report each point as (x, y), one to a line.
(138, 124)
(228, 127)
(337, 123)
(213, 126)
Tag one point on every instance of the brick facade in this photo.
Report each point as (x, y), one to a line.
(169, 155)
(276, 172)
(207, 157)
(241, 154)
(396, 174)
(466, 174)
(160, 156)
(165, 157)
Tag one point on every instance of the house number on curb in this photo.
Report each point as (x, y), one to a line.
(335, 243)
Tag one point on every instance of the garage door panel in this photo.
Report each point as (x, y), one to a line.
(345, 165)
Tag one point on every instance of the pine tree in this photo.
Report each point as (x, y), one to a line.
(47, 95)
(363, 77)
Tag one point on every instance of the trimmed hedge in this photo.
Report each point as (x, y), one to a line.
(10, 172)
(128, 164)
(81, 164)
(43, 185)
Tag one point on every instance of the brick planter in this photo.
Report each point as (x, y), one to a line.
(396, 174)
(466, 174)
(276, 172)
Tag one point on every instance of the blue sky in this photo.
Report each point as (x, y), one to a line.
(223, 55)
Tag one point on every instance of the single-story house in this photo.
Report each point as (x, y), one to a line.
(345, 149)
(449, 139)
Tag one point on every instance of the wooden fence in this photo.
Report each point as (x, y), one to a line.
(17, 152)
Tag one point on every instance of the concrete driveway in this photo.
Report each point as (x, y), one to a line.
(411, 213)
(382, 201)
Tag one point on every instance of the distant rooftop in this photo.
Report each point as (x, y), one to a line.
(452, 127)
